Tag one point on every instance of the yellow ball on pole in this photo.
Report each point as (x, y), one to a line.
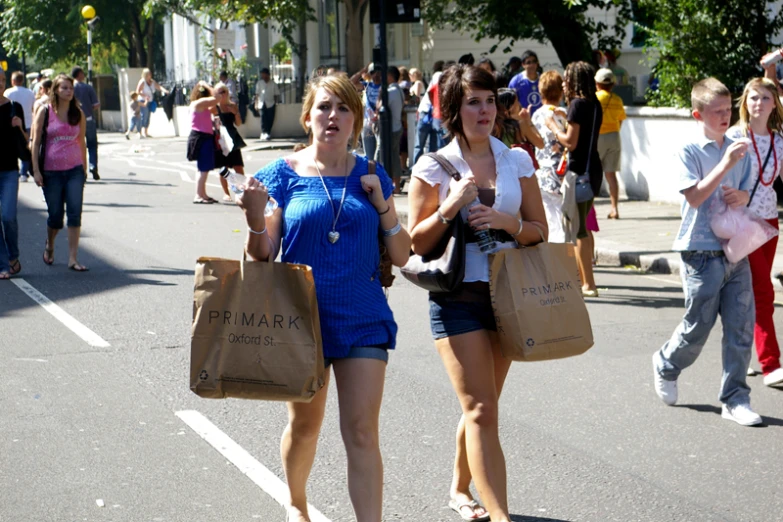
(88, 12)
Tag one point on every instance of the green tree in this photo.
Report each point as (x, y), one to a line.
(695, 39)
(563, 23)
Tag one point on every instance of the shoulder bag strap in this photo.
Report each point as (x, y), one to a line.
(371, 167)
(446, 164)
(761, 172)
(592, 135)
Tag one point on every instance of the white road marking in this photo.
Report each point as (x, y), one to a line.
(61, 315)
(184, 176)
(662, 280)
(244, 461)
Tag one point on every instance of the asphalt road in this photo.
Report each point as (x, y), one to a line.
(586, 439)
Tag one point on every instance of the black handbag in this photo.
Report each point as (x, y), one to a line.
(22, 150)
(583, 189)
(443, 269)
(44, 134)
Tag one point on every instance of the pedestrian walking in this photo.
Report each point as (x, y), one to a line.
(711, 167)
(24, 97)
(267, 96)
(761, 121)
(331, 211)
(581, 140)
(418, 88)
(396, 103)
(201, 141)
(63, 173)
(426, 133)
(134, 108)
(43, 96)
(526, 82)
(146, 89)
(228, 113)
(88, 102)
(12, 123)
(463, 322)
(370, 97)
(610, 145)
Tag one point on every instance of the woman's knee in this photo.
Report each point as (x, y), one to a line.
(305, 428)
(483, 413)
(360, 434)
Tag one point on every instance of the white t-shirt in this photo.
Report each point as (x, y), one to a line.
(266, 92)
(765, 200)
(510, 165)
(425, 104)
(24, 97)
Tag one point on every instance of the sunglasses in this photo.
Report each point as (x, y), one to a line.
(531, 62)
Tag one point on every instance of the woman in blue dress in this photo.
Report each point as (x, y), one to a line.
(330, 214)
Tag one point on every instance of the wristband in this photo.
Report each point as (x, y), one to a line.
(257, 233)
(443, 219)
(388, 208)
(521, 226)
(393, 231)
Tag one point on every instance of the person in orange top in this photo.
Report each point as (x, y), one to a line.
(609, 142)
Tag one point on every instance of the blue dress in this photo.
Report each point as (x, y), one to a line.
(351, 301)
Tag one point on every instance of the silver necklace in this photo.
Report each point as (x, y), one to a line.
(334, 235)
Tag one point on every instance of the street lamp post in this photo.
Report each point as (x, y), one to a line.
(88, 13)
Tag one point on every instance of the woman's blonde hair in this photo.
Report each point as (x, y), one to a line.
(218, 86)
(145, 72)
(775, 121)
(200, 90)
(339, 85)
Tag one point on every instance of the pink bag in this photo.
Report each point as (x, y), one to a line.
(741, 231)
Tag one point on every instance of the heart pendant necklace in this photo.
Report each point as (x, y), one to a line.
(333, 235)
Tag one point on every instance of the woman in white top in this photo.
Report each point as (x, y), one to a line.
(761, 121)
(146, 89)
(418, 88)
(462, 322)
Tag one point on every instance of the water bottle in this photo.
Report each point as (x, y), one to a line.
(237, 183)
(771, 58)
(486, 239)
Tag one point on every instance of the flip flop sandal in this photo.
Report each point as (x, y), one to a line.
(4, 276)
(200, 201)
(16, 267)
(48, 255)
(76, 267)
(472, 505)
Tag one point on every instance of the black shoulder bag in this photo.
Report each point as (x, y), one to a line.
(44, 133)
(22, 150)
(443, 269)
(761, 172)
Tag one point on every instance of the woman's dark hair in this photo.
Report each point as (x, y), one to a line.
(579, 81)
(466, 59)
(74, 112)
(489, 62)
(504, 123)
(451, 90)
(532, 54)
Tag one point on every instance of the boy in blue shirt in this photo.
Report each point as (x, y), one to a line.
(711, 167)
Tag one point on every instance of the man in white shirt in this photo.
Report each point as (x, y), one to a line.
(396, 103)
(24, 97)
(267, 95)
(231, 84)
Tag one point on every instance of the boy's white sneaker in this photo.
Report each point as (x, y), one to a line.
(774, 378)
(741, 414)
(666, 390)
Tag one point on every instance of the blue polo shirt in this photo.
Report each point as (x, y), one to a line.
(694, 162)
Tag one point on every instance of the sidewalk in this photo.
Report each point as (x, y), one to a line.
(642, 238)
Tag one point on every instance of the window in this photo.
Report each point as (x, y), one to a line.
(328, 30)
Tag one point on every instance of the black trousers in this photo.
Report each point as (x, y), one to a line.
(267, 119)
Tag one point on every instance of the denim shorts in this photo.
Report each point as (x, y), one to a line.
(380, 353)
(64, 193)
(467, 309)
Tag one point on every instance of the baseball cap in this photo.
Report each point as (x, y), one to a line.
(605, 76)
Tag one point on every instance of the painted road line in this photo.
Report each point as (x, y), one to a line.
(61, 315)
(671, 282)
(244, 461)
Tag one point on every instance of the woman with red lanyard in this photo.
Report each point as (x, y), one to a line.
(761, 121)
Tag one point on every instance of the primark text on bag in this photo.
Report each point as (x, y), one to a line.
(538, 304)
(256, 331)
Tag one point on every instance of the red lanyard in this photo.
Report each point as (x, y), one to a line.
(758, 157)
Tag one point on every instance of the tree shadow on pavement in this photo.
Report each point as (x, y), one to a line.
(115, 205)
(525, 518)
(711, 408)
(646, 301)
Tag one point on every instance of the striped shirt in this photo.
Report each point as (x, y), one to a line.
(351, 302)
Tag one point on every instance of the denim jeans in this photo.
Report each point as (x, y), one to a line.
(267, 119)
(395, 169)
(145, 116)
(135, 123)
(91, 135)
(713, 286)
(64, 192)
(425, 134)
(27, 166)
(9, 229)
(369, 142)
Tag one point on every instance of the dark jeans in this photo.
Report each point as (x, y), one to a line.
(425, 134)
(64, 192)
(91, 135)
(9, 228)
(395, 169)
(267, 119)
(27, 166)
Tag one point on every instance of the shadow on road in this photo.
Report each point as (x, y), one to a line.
(710, 408)
(525, 518)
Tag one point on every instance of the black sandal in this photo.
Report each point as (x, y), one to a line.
(48, 255)
(16, 267)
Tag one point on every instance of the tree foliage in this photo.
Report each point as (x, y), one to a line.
(696, 39)
(564, 23)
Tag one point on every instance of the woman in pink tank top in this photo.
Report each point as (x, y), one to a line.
(201, 142)
(59, 166)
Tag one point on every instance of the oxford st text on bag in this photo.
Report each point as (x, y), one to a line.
(538, 304)
(256, 331)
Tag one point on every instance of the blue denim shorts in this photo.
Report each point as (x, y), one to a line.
(380, 353)
(467, 309)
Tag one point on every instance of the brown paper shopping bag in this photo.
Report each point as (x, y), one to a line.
(256, 332)
(538, 304)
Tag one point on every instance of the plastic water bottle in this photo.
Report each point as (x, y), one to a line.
(772, 58)
(486, 239)
(237, 183)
